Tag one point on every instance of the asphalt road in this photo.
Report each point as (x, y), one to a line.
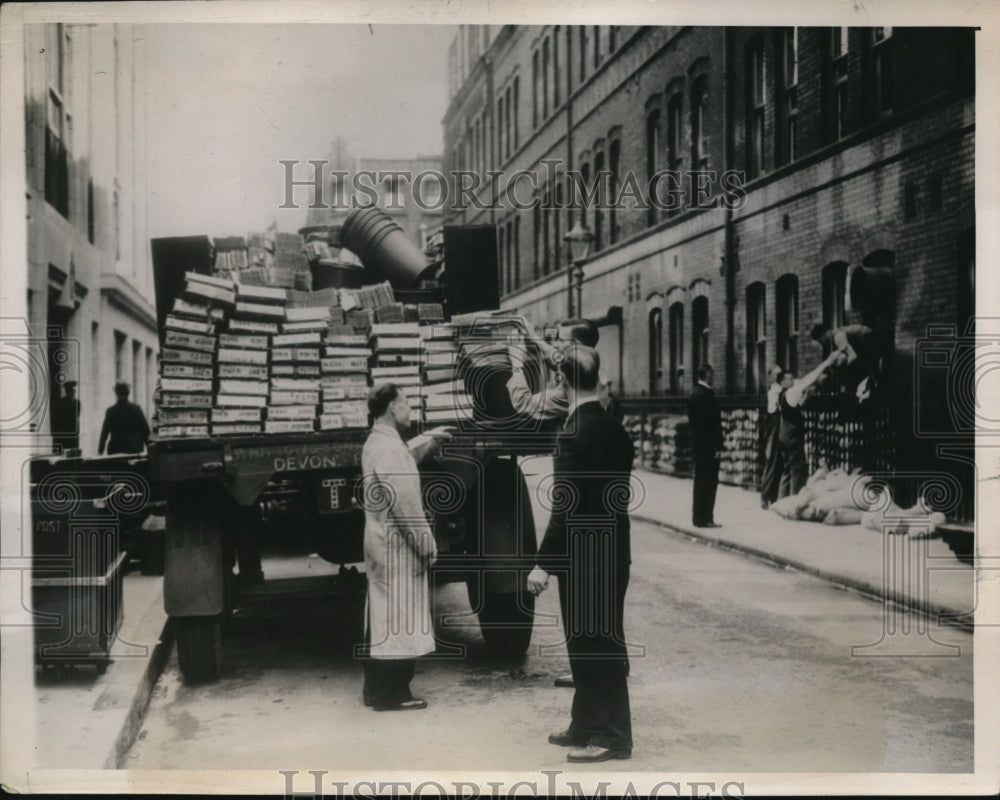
(743, 668)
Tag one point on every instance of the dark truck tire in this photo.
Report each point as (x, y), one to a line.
(199, 647)
(505, 619)
(151, 552)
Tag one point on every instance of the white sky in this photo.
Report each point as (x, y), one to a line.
(227, 101)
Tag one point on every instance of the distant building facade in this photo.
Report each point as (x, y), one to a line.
(90, 283)
(390, 182)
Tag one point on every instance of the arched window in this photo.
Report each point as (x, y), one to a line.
(547, 230)
(517, 110)
(652, 160)
(834, 295)
(555, 69)
(545, 80)
(598, 212)
(655, 351)
(699, 334)
(500, 140)
(557, 238)
(787, 322)
(517, 252)
(676, 334)
(506, 122)
(534, 90)
(614, 159)
(500, 256)
(699, 131)
(756, 337)
(509, 255)
(756, 99)
(538, 234)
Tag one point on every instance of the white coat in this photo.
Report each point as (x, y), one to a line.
(399, 546)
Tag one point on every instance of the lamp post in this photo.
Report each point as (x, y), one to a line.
(578, 240)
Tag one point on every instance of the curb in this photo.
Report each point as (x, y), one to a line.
(140, 702)
(944, 615)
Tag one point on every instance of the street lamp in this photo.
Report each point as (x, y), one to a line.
(578, 240)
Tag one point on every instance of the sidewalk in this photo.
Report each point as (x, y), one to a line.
(89, 721)
(920, 574)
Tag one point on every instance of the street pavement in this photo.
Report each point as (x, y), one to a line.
(108, 709)
(737, 668)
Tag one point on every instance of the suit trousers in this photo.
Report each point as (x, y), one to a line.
(601, 713)
(706, 481)
(770, 478)
(795, 471)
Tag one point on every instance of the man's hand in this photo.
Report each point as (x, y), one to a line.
(538, 581)
(442, 433)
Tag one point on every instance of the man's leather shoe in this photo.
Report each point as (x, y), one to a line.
(406, 705)
(566, 739)
(713, 525)
(593, 753)
(565, 681)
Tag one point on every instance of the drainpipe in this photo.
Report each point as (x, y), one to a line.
(569, 157)
(729, 264)
(488, 64)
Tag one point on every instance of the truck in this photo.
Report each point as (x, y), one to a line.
(225, 494)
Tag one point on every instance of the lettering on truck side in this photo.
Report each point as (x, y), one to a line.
(293, 463)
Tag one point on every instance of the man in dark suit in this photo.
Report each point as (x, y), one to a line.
(706, 444)
(125, 429)
(587, 544)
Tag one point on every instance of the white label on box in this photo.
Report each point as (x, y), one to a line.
(185, 400)
(288, 426)
(243, 340)
(235, 415)
(190, 340)
(291, 412)
(295, 398)
(243, 371)
(234, 356)
(185, 385)
(185, 371)
(242, 387)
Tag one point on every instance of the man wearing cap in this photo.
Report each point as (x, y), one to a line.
(125, 429)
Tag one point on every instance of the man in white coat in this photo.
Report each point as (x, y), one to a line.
(399, 548)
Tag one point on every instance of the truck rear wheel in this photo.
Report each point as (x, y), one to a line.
(199, 647)
(505, 619)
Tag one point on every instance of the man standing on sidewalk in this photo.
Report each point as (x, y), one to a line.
(587, 542)
(706, 444)
(770, 478)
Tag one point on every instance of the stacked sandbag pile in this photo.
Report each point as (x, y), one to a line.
(740, 436)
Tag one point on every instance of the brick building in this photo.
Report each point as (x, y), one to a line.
(90, 283)
(799, 157)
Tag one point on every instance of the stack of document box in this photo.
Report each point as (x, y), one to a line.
(187, 358)
(293, 395)
(444, 396)
(344, 379)
(396, 350)
(242, 370)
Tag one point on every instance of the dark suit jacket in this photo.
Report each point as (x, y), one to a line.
(125, 429)
(591, 485)
(706, 424)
